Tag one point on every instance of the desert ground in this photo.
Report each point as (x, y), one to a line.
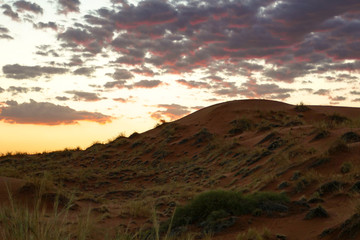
(246, 169)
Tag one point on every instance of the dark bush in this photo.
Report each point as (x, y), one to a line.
(317, 161)
(350, 137)
(318, 212)
(301, 108)
(233, 203)
(346, 167)
(355, 187)
(321, 134)
(240, 125)
(330, 187)
(337, 119)
(350, 229)
(203, 136)
(134, 135)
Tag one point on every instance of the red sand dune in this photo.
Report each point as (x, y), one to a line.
(280, 141)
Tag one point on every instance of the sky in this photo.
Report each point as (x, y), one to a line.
(75, 72)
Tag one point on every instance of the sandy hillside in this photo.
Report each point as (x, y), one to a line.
(310, 154)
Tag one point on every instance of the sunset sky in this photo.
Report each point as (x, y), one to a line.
(74, 72)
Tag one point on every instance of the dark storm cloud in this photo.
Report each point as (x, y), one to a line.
(28, 6)
(67, 6)
(172, 111)
(86, 71)
(9, 12)
(45, 113)
(17, 71)
(84, 96)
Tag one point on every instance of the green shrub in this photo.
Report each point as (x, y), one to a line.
(240, 126)
(234, 203)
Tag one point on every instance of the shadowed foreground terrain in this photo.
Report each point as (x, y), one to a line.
(248, 169)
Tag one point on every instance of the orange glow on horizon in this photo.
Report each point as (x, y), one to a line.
(40, 138)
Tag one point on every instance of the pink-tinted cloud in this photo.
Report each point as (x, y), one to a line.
(4, 33)
(49, 25)
(124, 100)
(67, 6)
(252, 89)
(121, 100)
(171, 112)
(78, 36)
(10, 13)
(193, 84)
(44, 113)
(17, 71)
(322, 92)
(290, 38)
(28, 6)
(84, 96)
(147, 84)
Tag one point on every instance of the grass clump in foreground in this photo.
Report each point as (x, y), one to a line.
(207, 204)
(44, 218)
(20, 222)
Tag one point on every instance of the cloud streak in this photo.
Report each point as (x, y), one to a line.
(45, 113)
(20, 72)
(171, 112)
